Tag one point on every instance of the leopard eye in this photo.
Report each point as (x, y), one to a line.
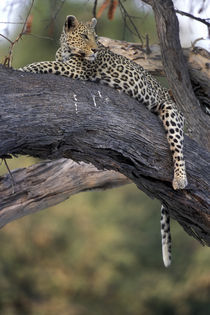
(84, 36)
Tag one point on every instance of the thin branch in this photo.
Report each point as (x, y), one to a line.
(40, 36)
(12, 22)
(8, 59)
(10, 173)
(127, 16)
(204, 21)
(58, 9)
(95, 8)
(11, 42)
(54, 15)
(195, 41)
(148, 50)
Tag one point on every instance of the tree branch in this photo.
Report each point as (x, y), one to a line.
(193, 17)
(51, 117)
(48, 183)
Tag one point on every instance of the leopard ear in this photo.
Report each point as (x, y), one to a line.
(71, 22)
(93, 22)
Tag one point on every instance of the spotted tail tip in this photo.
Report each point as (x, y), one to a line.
(166, 255)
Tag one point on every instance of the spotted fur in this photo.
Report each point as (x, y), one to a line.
(81, 56)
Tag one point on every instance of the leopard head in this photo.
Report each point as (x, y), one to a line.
(79, 38)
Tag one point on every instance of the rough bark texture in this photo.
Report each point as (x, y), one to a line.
(49, 183)
(176, 70)
(52, 117)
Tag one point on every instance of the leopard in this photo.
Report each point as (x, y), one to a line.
(82, 56)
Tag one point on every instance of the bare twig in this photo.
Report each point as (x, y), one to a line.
(8, 59)
(204, 21)
(58, 9)
(148, 50)
(41, 37)
(11, 42)
(12, 22)
(54, 15)
(95, 7)
(127, 16)
(10, 174)
(196, 40)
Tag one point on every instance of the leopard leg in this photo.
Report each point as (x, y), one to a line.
(43, 67)
(173, 122)
(166, 236)
(68, 69)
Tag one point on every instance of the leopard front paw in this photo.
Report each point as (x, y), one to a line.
(179, 181)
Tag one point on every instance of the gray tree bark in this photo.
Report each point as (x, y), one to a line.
(53, 117)
(48, 183)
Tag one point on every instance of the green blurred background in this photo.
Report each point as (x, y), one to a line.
(99, 252)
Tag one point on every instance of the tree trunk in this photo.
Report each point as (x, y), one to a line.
(177, 72)
(51, 117)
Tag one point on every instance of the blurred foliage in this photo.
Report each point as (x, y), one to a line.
(98, 253)
(45, 31)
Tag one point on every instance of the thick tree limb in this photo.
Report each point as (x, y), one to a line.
(54, 117)
(176, 70)
(49, 183)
